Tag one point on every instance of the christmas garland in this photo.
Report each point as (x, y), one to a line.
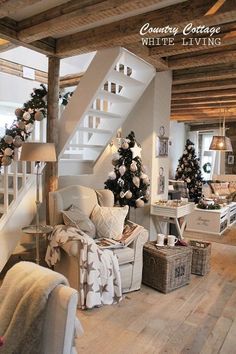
(204, 205)
(207, 167)
(33, 110)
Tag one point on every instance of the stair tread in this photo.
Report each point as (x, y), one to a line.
(91, 146)
(76, 160)
(95, 130)
(113, 97)
(103, 114)
(10, 190)
(122, 79)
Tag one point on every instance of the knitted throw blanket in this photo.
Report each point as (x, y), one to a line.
(23, 299)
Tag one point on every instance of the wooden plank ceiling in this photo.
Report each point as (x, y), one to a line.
(204, 74)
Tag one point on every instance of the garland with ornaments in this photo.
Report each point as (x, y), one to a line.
(129, 181)
(33, 110)
(189, 170)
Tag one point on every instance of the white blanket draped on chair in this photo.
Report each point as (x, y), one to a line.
(100, 282)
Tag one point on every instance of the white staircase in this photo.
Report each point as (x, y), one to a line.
(110, 88)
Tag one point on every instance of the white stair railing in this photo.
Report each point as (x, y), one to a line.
(15, 176)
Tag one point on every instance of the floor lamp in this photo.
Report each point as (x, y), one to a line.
(38, 152)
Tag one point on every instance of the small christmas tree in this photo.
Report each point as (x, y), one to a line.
(188, 170)
(129, 181)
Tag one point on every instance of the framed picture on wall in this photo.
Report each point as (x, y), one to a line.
(230, 159)
(162, 144)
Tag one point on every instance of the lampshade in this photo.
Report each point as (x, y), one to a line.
(221, 143)
(38, 152)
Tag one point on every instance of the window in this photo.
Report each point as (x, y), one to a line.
(206, 156)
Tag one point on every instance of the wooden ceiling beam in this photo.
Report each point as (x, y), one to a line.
(8, 31)
(75, 16)
(221, 100)
(190, 107)
(202, 60)
(8, 7)
(204, 94)
(191, 118)
(126, 31)
(203, 86)
(206, 111)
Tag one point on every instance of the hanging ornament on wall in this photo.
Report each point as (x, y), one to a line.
(122, 170)
(8, 139)
(139, 203)
(38, 116)
(133, 166)
(112, 175)
(8, 152)
(128, 194)
(136, 181)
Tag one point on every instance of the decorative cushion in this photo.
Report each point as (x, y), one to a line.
(207, 190)
(109, 222)
(73, 216)
(221, 188)
(232, 186)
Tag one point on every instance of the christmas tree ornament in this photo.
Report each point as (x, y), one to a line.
(146, 180)
(6, 160)
(38, 116)
(128, 194)
(136, 151)
(122, 194)
(115, 156)
(112, 175)
(121, 182)
(26, 116)
(19, 113)
(21, 125)
(133, 166)
(125, 144)
(8, 152)
(17, 141)
(143, 176)
(29, 128)
(147, 194)
(8, 139)
(136, 181)
(139, 203)
(143, 169)
(122, 170)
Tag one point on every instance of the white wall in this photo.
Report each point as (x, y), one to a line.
(177, 142)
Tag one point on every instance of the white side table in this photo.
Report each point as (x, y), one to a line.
(171, 215)
(37, 231)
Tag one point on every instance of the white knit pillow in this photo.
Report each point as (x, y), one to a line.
(109, 222)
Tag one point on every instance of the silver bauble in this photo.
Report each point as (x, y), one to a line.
(29, 128)
(19, 112)
(17, 141)
(6, 161)
(122, 170)
(136, 181)
(139, 203)
(133, 166)
(38, 116)
(128, 195)
(8, 152)
(112, 175)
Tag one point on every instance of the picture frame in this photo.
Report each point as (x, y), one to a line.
(230, 159)
(162, 146)
(161, 181)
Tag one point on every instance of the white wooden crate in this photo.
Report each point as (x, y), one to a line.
(171, 211)
(208, 221)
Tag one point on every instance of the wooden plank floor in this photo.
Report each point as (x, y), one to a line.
(198, 318)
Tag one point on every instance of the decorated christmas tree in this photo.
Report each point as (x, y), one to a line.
(188, 170)
(129, 181)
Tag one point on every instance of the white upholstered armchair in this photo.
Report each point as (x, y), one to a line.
(130, 258)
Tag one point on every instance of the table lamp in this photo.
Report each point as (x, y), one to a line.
(38, 152)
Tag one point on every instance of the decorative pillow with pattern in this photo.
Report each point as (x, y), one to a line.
(109, 222)
(221, 188)
(73, 216)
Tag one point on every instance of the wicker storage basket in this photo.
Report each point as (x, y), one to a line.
(201, 259)
(166, 268)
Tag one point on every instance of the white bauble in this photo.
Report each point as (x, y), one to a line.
(128, 195)
(133, 166)
(26, 116)
(139, 203)
(8, 152)
(122, 170)
(8, 139)
(112, 175)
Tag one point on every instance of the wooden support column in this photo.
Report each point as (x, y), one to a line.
(51, 172)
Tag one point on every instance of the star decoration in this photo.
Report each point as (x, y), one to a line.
(90, 267)
(89, 287)
(100, 289)
(136, 151)
(89, 249)
(116, 299)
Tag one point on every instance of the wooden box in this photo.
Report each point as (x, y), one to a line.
(201, 258)
(208, 221)
(166, 268)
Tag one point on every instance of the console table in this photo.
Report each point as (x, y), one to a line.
(212, 221)
(171, 215)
